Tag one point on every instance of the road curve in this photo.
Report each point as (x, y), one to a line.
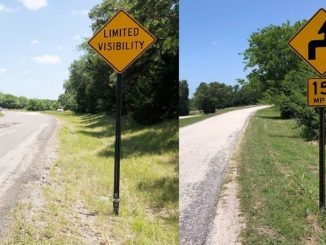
(23, 138)
(205, 148)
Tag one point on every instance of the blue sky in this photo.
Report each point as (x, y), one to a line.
(214, 32)
(39, 40)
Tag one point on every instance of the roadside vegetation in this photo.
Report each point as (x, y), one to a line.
(78, 194)
(190, 120)
(10, 101)
(213, 96)
(280, 76)
(280, 198)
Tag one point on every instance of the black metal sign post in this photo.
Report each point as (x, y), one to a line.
(321, 158)
(316, 98)
(116, 192)
(120, 59)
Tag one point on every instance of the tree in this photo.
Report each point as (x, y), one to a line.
(183, 98)
(220, 94)
(67, 101)
(9, 101)
(150, 84)
(203, 99)
(245, 93)
(22, 102)
(270, 58)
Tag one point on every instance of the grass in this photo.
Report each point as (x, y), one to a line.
(190, 120)
(279, 184)
(79, 194)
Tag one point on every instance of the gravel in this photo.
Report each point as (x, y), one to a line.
(27, 151)
(205, 148)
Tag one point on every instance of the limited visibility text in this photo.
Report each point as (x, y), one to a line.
(122, 44)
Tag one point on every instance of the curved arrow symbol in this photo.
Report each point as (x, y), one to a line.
(314, 44)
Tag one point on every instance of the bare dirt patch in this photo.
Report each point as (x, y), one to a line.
(33, 203)
(229, 221)
(313, 238)
(313, 142)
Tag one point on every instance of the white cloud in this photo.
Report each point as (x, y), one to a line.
(34, 42)
(47, 59)
(4, 8)
(34, 4)
(81, 12)
(3, 71)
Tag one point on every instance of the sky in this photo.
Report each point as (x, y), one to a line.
(39, 40)
(213, 34)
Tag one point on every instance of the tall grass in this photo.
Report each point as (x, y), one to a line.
(279, 183)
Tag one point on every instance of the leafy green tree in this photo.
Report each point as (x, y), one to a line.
(203, 99)
(270, 58)
(150, 84)
(67, 101)
(183, 98)
(244, 93)
(9, 101)
(192, 104)
(35, 105)
(22, 102)
(41, 105)
(220, 94)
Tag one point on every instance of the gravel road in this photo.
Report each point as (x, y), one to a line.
(205, 148)
(24, 140)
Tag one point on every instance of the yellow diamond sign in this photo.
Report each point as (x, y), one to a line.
(121, 41)
(310, 42)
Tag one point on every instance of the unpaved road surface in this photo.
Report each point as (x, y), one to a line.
(24, 138)
(205, 148)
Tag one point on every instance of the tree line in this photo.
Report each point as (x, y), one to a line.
(215, 95)
(10, 101)
(149, 84)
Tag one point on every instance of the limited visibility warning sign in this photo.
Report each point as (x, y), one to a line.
(121, 41)
(317, 92)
